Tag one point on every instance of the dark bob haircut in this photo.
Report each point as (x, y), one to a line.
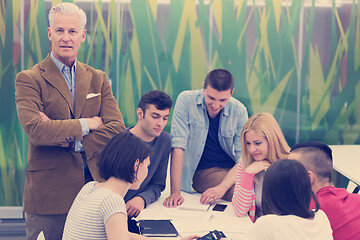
(158, 98)
(120, 154)
(287, 190)
(220, 80)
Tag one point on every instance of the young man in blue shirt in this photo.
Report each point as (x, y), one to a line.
(206, 129)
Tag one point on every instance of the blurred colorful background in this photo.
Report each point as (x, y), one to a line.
(298, 60)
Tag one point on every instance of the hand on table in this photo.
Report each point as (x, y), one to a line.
(257, 166)
(134, 206)
(174, 200)
(212, 194)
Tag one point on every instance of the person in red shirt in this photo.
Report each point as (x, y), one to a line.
(342, 208)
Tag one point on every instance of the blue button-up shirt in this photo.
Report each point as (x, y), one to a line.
(190, 125)
(69, 75)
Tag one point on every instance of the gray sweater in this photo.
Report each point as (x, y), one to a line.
(151, 188)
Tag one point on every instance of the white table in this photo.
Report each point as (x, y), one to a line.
(189, 222)
(346, 160)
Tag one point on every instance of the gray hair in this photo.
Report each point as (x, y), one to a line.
(67, 9)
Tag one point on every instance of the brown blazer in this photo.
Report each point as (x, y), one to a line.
(55, 174)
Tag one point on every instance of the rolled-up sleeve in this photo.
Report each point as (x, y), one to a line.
(243, 117)
(180, 126)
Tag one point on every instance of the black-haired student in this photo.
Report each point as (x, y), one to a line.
(99, 210)
(153, 112)
(286, 197)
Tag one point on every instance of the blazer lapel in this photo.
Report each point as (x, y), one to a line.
(53, 76)
(82, 85)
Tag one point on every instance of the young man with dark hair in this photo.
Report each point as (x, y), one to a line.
(205, 130)
(153, 113)
(341, 207)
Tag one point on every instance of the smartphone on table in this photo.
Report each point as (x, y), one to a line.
(219, 207)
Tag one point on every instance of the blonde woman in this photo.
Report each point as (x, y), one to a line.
(262, 143)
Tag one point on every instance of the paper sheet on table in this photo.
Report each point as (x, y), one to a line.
(184, 225)
(209, 221)
(237, 224)
(188, 222)
(193, 204)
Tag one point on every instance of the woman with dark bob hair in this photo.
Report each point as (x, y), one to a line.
(286, 197)
(99, 210)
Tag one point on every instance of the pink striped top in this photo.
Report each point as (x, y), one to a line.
(243, 199)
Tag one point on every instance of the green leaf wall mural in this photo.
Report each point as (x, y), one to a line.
(298, 60)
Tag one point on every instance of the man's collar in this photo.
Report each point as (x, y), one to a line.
(225, 110)
(201, 100)
(59, 64)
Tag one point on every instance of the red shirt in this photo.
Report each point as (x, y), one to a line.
(343, 211)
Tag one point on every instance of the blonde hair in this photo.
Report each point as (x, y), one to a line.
(265, 125)
(67, 9)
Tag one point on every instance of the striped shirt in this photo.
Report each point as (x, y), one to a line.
(243, 199)
(91, 209)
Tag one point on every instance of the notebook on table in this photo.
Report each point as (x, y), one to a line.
(194, 205)
(157, 228)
